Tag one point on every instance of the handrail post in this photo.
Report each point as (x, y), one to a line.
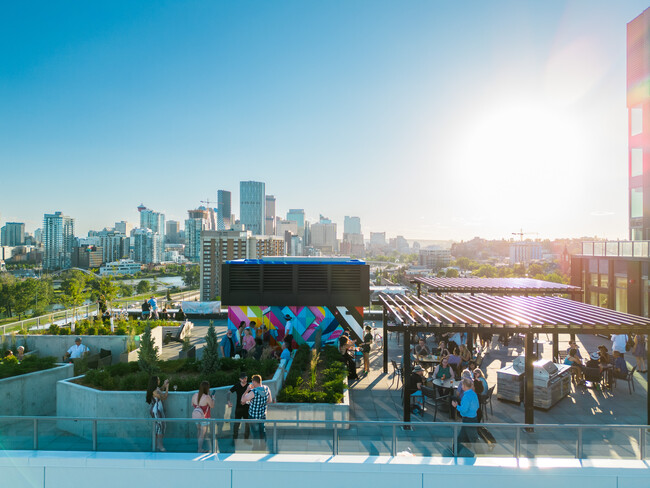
(94, 434)
(454, 441)
(335, 441)
(642, 442)
(213, 433)
(518, 442)
(579, 444)
(275, 437)
(393, 445)
(35, 434)
(153, 437)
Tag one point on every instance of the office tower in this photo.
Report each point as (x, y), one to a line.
(323, 236)
(58, 239)
(123, 227)
(219, 246)
(435, 258)
(252, 199)
(87, 257)
(298, 215)
(152, 220)
(638, 104)
(283, 226)
(378, 239)
(172, 231)
(12, 234)
(352, 225)
(147, 246)
(269, 223)
(38, 236)
(224, 210)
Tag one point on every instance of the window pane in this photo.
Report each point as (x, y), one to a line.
(636, 162)
(636, 202)
(636, 121)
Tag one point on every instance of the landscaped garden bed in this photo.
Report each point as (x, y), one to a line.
(10, 366)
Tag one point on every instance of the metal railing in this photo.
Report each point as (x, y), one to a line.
(364, 438)
(86, 311)
(636, 249)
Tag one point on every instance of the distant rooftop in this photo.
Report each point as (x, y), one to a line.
(298, 260)
(494, 285)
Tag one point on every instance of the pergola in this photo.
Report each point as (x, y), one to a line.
(527, 315)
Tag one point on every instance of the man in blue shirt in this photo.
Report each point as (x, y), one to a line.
(228, 344)
(468, 410)
(620, 367)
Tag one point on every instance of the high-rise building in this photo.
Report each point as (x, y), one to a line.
(298, 215)
(87, 257)
(323, 236)
(147, 246)
(123, 227)
(269, 223)
(152, 220)
(378, 239)
(252, 200)
(219, 246)
(352, 225)
(638, 105)
(172, 231)
(12, 234)
(224, 210)
(58, 239)
(114, 245)
(193, 229)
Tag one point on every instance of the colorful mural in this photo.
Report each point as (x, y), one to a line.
(305, 321)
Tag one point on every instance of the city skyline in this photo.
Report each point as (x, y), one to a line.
(420, 133)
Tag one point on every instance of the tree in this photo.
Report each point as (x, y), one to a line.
(192, 276)
(452, 273)
(105, 287)
(73, 289)
(486, 271)
(210, 361)
(126, 290)
(32, 294)
(143, 287)
(7, 293)
(148, 354)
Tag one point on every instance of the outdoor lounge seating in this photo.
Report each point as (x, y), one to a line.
(486, 399)
(397, 373)
(630, 379)
(431, 397)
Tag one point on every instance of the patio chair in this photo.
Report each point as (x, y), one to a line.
(484, 400)
(430, 396)
(593, 375)
(630, 379)
(397, 373)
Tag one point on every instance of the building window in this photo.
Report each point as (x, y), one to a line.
(636, 121)
(636, 202)
(621, 295)
(636, 161)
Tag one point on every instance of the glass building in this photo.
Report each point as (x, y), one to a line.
(252, 200)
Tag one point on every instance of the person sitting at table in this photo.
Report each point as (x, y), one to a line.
(455, 359)
(480, 383)
(421, 348)
(604, 360)
(620, 366)
(574, 345)
(443, 372)
(472, 365)
(441, 350)
(459, 390)
(465, 356)
(417, 378)
(575, 362)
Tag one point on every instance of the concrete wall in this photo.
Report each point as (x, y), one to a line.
(32, 393)
(56, 345)
(108, 470)
(73, 400)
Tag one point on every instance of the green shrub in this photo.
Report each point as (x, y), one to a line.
(11, 367)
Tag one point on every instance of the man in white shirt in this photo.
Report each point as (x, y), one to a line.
(618, 343)
(76, 351)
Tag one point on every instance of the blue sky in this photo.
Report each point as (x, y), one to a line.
(432, 119)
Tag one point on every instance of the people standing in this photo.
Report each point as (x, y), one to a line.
(345, 346)
(288, 330)
(154, 307)
(155, 398)
(468, 410)
(618, 343)
(258, 396)
(241, 409)
(203, 404)
(365, 349)
(228, 344)
(248, 341)
(640, 353)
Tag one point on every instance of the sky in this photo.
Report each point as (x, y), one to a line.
(427, 119)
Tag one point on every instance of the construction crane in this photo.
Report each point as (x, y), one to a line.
(207, 202)
(521, 234)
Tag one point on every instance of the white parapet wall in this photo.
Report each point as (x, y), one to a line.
(27, 469)
(33, 393)
(57, 345)
(74, 400)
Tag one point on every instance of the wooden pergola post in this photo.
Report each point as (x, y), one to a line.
(406, 375)
(529, 407)
(556, 346)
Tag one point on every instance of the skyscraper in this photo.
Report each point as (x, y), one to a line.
(58, 239)
(12, 234)
(224, 210)
(252, 199)
(638, 104)
(172, 231)
(298, 215)
(152, 220)
(352, 225)
(269, 226)
(147, 247)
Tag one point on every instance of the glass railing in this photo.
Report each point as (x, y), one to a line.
(371, 438)
(628, 249)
